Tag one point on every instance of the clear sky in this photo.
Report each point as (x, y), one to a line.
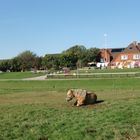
(51, 26)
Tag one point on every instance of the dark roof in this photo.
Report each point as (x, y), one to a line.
(133, 47)
(114, 52)
(117, 50)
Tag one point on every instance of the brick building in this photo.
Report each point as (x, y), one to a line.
(128, 57)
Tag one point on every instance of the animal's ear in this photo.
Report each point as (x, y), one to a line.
(83, 93)
(71, 90)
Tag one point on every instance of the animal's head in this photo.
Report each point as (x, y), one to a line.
(70, 95)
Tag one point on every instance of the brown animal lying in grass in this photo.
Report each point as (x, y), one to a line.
(83, 97)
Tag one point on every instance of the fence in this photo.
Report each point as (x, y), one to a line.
(94, 75)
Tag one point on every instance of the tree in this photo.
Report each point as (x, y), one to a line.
(15, 64)
(79, 64)
(65, 60)
(38, 62)
(51, 61)
(5, 65)
(91, 55)
(27, 60)
(74, 54)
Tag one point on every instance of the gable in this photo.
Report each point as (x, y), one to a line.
(132, 48)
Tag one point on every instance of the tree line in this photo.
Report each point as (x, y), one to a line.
(76, 56)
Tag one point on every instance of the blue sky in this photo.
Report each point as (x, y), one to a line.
(51, 26)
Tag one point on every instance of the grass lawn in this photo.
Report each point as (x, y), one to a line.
(30, 110)
(18, 75)
(109, 70)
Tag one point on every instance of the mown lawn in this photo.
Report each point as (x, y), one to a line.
(18, 75)
(107, 70)
(30, 110)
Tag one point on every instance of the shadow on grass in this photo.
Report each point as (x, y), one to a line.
(43, 138)
(99, 101)
(87, 104)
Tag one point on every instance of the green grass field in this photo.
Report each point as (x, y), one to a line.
(18, 75)
(30, 110)
(107, 70)
(97, 73)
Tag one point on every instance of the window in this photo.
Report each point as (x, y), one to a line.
(101, 60)
(124, 57)
(136, 56)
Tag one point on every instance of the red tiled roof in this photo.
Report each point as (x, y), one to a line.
(133, 48)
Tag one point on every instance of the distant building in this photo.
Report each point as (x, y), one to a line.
(128, 57)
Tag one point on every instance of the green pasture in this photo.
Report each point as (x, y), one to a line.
(18, 75)
(82, 73)
(97, 73)
(33, 110)
(91, 70)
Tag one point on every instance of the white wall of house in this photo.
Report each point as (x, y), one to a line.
(102, 65)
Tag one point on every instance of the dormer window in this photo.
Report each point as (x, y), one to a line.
(124, 57)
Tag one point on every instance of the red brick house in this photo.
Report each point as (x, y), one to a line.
(122, 57)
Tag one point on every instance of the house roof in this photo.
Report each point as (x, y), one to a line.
(134, 47)
(113, 52)
(116, 51)
(103, 51)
